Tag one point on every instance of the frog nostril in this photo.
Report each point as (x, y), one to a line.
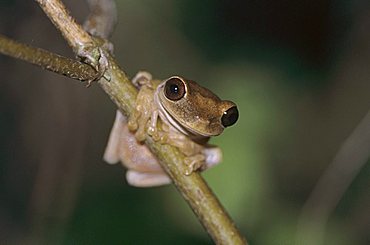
(230, 116)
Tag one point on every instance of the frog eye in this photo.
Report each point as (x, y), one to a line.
(174, 88)
(230, 116)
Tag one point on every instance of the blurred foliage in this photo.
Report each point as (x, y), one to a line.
(283, 62)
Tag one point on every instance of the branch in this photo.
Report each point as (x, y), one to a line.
(193, 188)
(63, 21)
(68, 67)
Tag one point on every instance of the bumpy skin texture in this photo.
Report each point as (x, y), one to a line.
(126, 139)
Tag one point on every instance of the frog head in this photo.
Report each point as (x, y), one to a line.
(193, 109)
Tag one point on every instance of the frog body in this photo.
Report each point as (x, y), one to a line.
(189, 115)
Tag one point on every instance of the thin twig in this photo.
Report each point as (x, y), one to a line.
(53, 62)
(351, 157)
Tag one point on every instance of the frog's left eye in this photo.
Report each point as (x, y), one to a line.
(174, 88)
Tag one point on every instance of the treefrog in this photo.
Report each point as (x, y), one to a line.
(189, 113)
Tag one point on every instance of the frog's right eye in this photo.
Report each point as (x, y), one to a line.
(174, 88)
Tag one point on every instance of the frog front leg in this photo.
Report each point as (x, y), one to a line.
(144, 108)
(144, 121)
(144, 117)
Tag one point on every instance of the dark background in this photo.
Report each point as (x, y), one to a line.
(298, 70)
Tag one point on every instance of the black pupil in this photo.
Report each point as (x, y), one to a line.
(230, 117)
(174, 88)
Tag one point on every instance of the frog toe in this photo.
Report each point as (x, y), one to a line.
(153, 132)
(193, 163)
(132, 125)
(140, 135)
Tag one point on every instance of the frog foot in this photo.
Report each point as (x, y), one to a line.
(142, 78)
(132, 123)
(134, 126)
(193, 163)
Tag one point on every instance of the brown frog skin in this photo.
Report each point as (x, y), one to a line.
(190, 115)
